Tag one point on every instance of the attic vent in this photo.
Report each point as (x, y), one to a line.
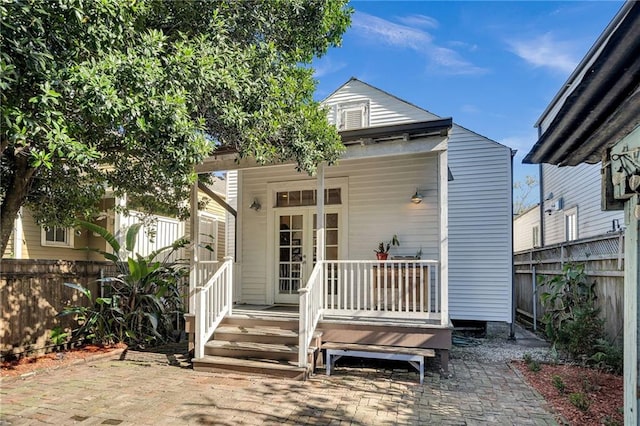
(353, 116)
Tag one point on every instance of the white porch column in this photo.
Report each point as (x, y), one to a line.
(631, 312)
(17, 236)
(320, 228)
(194, 237)
(443, 191)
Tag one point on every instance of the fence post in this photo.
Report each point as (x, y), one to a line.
(535, 299)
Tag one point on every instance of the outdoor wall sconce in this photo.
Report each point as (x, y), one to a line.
(417, 197)
(255, 205)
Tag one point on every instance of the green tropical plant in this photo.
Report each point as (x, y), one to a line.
(572, 319)
(58, 336)
(608, 357)
(384, 247)
(142, 300)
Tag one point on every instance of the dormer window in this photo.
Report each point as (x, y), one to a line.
(353, 115)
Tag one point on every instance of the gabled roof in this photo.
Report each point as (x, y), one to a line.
(600, 103)
(454, 124)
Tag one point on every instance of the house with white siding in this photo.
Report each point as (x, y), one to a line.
(305, 276)
(571, 208)
(30, 241)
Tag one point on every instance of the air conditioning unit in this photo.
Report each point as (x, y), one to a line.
(556, 205)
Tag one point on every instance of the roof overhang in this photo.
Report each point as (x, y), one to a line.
(600, 103)
(398, 139)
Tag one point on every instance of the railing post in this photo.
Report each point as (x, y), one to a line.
(199, 324)
(229, 283)
(302, 328)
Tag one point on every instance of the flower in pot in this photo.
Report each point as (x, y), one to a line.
(382, 252)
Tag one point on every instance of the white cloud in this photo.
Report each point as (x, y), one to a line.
(545, 51)
(423, 21)
(470, 109)
(522, 143)
(326, 66)
(378, 30)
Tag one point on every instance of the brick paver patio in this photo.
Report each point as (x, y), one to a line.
(143, 388)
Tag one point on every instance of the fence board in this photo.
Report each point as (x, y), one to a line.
(32, 294)
(604, 262)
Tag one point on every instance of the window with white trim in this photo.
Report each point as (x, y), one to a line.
(353, 115)
(536, 236)
(571, 224)
(56, 236)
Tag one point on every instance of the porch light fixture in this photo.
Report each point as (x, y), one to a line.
(416, 198)
(255, 205)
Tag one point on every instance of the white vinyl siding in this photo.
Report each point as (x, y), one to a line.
(163, 232)
(579, 187)
(384, 109)
(480, 221)
(369, 217)
(525, 226)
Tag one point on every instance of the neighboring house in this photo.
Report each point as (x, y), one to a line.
(526, 229)
(31, 241)
(595, 119)
(571, 207)
(445, 191)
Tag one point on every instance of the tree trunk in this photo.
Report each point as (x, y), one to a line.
(16, 194)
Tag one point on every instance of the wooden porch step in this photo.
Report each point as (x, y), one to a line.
(255, 321)
(259, 334)
(219, 364)
(240, 349)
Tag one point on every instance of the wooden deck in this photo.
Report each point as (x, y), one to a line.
(261, 339)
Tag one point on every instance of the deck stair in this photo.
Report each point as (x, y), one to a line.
(257, 345)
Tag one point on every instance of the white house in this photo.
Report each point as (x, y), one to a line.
(443, 190)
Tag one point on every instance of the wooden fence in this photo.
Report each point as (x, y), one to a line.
(32, 294)
(603, 258)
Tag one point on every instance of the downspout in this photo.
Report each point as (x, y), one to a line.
(512, 329)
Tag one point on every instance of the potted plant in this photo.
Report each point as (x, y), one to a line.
(382, 252)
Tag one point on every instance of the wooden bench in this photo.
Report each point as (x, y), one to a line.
(415, 356)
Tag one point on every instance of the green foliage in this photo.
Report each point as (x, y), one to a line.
(572, 318)
(130, 95)
(58, 336)
(382, 248)
(532, 364)
(580, 401)
(558, 383)
(144, 298)
(608, 357)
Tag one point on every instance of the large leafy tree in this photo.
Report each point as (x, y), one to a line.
(129, 95)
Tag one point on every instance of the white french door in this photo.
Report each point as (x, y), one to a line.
(296, 248)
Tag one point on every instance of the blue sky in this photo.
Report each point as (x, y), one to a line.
(492, 66)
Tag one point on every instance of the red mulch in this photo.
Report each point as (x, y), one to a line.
(604, 392)
(53, 360)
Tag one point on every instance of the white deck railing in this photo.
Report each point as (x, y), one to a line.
(310, 312)
(400, 288)
(213, 302)
(393, 288)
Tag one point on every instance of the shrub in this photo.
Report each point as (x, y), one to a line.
(558, 383)
(572, 318)
(580, 401)
(608, 357)
(143, 299)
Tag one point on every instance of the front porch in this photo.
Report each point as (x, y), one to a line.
(395, 304)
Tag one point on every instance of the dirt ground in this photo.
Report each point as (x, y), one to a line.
(602, 392)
